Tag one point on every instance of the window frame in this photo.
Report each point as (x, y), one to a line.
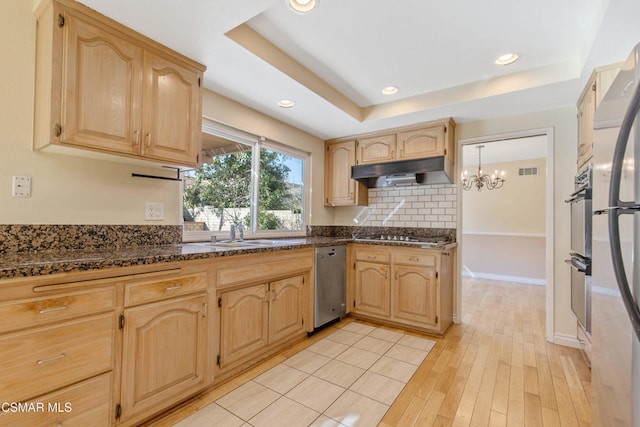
(257, 143)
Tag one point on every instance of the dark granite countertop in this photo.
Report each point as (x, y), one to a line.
(26, 264)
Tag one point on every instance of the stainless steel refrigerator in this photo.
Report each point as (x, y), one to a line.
(615, 358)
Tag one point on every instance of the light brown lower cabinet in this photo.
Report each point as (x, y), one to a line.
(87, 403)
(373, 284)
(58, 341)
(116, 347)
(402, 286)
(165, 353)
(264, 303)
(415, 296)
(256, 317)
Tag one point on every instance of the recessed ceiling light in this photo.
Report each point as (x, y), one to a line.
(390, 90)
(286, 103)
(507, 59)
(302, 6)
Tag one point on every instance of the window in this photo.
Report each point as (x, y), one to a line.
(244, 180)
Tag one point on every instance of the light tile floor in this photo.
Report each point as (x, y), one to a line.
(349, 378)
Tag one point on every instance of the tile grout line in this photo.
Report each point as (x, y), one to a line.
(392, 343)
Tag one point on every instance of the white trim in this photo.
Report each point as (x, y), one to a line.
(504, 278)
(492, 233)
(565, 340)
(222, 130)
(549, 227)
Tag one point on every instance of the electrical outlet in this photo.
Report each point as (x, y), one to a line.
(154, 211)
(21, 186)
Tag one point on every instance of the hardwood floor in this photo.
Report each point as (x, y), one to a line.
(494, 369)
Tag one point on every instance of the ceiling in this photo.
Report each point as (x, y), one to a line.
(334, 61)
(508, 150)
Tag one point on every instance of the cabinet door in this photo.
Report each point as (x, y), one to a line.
(372, 289)
(376, 149)
(340, 189)
(286, 314)
(164, 359)
(414, 295)
(171, 105)
(426, 142)
(102, 84)
(244, 322)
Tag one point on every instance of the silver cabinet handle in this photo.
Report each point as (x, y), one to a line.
(50, 310)
(148, 140)
(173, 288)
(51, 359)
(136, 139)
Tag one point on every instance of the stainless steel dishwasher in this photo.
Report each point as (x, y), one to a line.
(330, 285)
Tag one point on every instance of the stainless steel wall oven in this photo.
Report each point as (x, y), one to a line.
(581, 217)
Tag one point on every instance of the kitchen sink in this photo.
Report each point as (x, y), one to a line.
(242, 244)
(249, 243)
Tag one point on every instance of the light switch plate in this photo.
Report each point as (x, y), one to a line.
(21, 186)
(154, 211)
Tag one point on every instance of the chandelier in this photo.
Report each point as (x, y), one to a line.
(480, 180)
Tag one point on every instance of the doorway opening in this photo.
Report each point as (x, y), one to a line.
(505, 234)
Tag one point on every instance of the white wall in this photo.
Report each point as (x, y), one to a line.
(79, 190)
(503, 230)
(517, 207)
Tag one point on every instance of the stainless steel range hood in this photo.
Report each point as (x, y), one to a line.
(432, 170)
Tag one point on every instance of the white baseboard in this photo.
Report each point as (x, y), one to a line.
(505, 278)
(566, 340)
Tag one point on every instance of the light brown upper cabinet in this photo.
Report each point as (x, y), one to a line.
(340, 189)
(426, 142)
(595, 89)
(376, 149)
(102, 87)
(414, 142)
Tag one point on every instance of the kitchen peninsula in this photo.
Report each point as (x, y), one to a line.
(95, 314)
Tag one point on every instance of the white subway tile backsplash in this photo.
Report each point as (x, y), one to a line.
(428, 206)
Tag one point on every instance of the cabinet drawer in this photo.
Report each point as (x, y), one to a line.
(372, 255)
(156, 290)
(41, 360)
(414, 258)
(83, 404)
(35, 312)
